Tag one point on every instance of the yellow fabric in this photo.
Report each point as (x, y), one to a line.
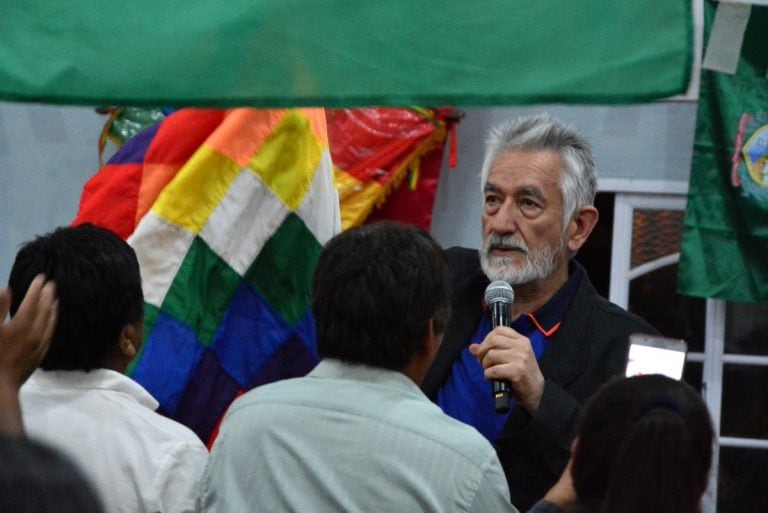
(191, 196)
(282, 171)
(357, 199)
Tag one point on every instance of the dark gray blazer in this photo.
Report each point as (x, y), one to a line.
(587, 350)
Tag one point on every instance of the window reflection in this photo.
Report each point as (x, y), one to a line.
(653, 296)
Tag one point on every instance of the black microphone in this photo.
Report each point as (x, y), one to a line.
(499, 297)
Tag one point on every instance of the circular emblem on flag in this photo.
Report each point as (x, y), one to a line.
(752, 180)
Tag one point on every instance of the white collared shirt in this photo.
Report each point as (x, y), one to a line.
(138, 460)
(349, 438)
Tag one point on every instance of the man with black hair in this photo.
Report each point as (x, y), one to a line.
(357, 434)
(79, 400)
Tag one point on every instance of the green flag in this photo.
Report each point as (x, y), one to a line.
(725, 241)
(333, 53)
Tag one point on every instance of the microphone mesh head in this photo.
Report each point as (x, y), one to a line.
(499, 291)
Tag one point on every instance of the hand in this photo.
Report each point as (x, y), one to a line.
(562, 493)
(507, 355)
(25, 339)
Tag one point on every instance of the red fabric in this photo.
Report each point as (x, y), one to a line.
(367, 143)
(376, 144)
(137, 183)
(97, 203)
(414, 206)
(371, 144)
(181, 134)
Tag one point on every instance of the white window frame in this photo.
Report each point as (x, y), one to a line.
(714, 357)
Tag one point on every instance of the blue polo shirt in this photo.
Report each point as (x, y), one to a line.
(466, 394)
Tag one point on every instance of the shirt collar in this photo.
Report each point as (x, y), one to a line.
(547, 318)
(332, 368)
(95, 379)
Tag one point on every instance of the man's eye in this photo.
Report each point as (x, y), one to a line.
(491, 200)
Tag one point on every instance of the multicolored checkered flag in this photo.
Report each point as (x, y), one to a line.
(227, 212)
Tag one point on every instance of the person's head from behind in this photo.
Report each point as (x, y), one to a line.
(37, 479)
(379, 292)
(538, 182)
(99, 292)
(645, 444)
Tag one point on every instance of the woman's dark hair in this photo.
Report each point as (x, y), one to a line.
(375, 289)
(98, 287)
(645, 444)
(35, 478)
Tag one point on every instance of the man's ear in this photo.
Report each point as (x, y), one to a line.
(424, 356)
(580, 227)
(432, 340)
(130, 340)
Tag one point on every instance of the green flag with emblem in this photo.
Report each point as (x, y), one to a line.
(725, 242)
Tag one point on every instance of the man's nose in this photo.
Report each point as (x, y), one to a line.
(504, 220)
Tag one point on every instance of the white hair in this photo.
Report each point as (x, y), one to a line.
(578, 181)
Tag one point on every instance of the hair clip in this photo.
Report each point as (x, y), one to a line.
(658, 402)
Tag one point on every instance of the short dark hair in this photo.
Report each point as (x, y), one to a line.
(645, 444)
(98, 287)
(375, 289)
(35, 478)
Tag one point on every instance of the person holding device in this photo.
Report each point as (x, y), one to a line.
(644, 444)
(564, 340)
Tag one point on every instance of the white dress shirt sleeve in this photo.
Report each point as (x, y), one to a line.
(492, 493)
(177, 485)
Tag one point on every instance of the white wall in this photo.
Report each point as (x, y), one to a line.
(48, 152)
(650, 144)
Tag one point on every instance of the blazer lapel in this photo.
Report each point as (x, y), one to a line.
(466, 311)
(566, 355)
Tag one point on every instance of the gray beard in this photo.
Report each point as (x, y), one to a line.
(539, 263)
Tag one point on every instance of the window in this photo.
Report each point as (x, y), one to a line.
(728, 343)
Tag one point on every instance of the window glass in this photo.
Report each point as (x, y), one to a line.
(741, 480)
(655, 234)
(744, 409)
(595, 254)
(746, 328)
(692, 374)
(653, 296)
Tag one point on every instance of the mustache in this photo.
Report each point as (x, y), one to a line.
(496, 241)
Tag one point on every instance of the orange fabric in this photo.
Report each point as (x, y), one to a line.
(228, 139)
(547, 333)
